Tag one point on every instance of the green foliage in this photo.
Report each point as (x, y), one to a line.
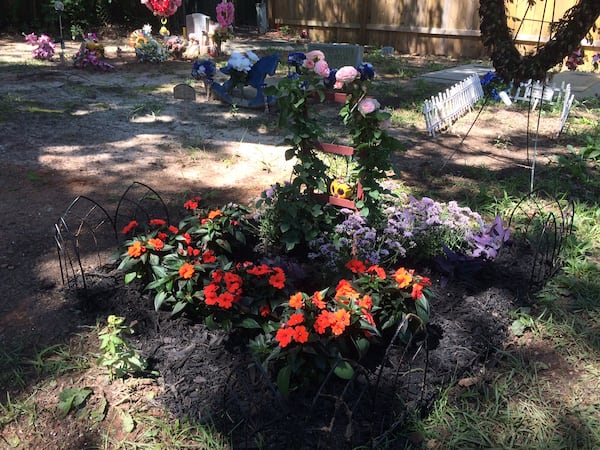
(289, 218)
(70, 399)
(119, 358)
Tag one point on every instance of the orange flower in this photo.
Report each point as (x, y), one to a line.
(322, 322)
(339, 321)
(295, 319)
(403, 277)
(264, 310)
(366, 302)
(156, 243)
(356, 266)
(157, 222)
(344, 292)
(379, 271)
(186, 271)
(214, 214)
(300, 334)
(317, 300)
(129, 227)
(296, 300)
(284, 336)
(278, 279)
(136, 249)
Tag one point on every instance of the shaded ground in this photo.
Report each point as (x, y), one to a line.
(67, 133)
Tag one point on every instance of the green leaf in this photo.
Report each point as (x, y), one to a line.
(128, 422)
(518, 328)
(362, 346)
(344, 370)
(130, 277)
(283, 380)
(249, 322)
(179, 306)
(72, 398)
(422, 306)
(159, 300)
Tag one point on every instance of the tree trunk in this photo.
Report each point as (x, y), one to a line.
(509, 63)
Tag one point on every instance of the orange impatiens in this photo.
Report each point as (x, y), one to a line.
(136, 249)
(403, 277)
(186, 271)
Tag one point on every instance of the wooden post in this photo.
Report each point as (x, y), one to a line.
(364, 19)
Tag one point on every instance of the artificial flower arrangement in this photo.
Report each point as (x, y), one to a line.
(44, 48)
(91, 54)
(204, 69)
(223, 31)
(175, 46)
(147, 49)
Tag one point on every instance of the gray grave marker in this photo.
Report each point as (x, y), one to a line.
(185, 92)
(339, 55)
(386, 51)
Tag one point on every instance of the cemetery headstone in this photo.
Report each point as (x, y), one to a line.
(387, 51)
(339, 55)
(185, 92)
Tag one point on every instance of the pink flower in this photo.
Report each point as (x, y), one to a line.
(322, 68)
(345, 75)
(308, 63)
(368, 105)
(315, 55)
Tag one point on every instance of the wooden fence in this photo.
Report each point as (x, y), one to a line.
(434, 27)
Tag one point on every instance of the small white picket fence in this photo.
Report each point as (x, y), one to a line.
(443, 110)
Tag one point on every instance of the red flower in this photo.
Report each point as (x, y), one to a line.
(186, 271)
(187, 238)
(380, 272)
(295, 319)
(356, 266)
(300, 334)
(208, 257)
(156, 243)
(226, 300)
(130, 227)
(264, 310)
(233, 283)
(263, 269)
(190, 204)
(157, 222)
(210, 294)
(217, 276)
(278, 279)
(284, 336)
(162, 236)
(173, 229)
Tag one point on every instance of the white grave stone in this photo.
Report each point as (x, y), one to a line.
(339, 55)
(197, 23)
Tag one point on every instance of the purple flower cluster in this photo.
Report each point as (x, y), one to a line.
(411, 227)
(44, 47)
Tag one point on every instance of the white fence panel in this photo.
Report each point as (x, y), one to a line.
(443, 110)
